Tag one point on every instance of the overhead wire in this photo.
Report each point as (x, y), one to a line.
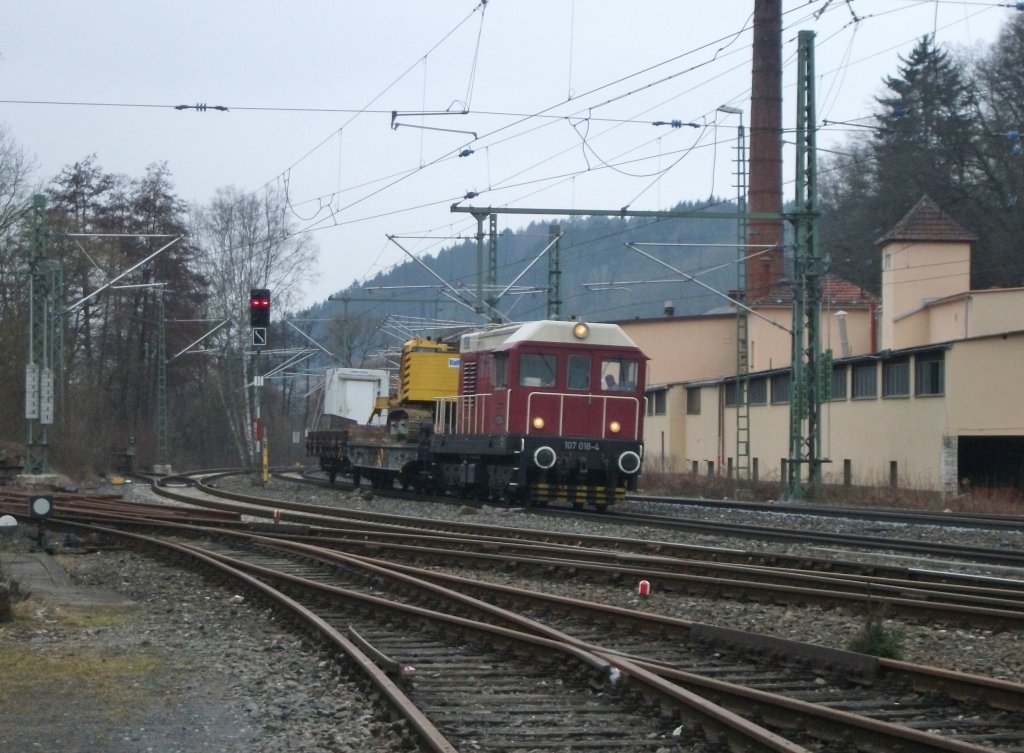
(727, 39)
(476, 59)
(546, 111)
(447, 201)
(542, 114)
(387, 88)
(443, 156)
(855, 20)
(842, 69)
(335, 204)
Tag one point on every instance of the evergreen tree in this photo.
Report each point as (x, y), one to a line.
(925, 142)
(926, 128)
(1000, 77)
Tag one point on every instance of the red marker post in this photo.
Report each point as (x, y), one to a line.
(644, 588)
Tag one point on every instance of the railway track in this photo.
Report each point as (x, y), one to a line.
(1007, 557)
(1011, 523)
(463, 684)
(996, 605)
(955, 599)
(918, 517)
(407, 618)
(783, 685)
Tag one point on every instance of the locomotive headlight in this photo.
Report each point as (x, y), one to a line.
(615, 427)
(538, 423)
(581, 331)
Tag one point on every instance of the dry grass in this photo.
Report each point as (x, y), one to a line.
(37, 666)
(111, 680)
(985, 501)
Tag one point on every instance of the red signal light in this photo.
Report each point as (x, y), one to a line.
(259, 307)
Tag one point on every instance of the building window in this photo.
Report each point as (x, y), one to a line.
(757, 391)
(656, 401)
(896, 377)
(730, 393)
(930, 373)
(693, 401)
(865, 380)
(839, 381)
(780, 388)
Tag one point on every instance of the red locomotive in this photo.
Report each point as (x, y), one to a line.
(545, 411)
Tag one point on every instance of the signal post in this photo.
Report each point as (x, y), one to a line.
(259, 322)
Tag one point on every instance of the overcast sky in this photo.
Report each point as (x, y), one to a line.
(561, 96)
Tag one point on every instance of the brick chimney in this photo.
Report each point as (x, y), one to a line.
(764, 237)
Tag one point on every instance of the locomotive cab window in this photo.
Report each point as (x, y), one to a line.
(500, 366)
(619, 374)
(536, 370)
(579, 373)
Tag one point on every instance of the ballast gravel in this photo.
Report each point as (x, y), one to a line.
(204, 669)
(222, 674)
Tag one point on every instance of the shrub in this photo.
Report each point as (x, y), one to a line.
(875, 638)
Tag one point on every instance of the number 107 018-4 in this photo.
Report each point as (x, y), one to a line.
(582, 444)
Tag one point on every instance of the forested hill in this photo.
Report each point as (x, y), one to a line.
(601, 278)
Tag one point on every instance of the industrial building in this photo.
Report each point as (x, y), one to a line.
(919, 391)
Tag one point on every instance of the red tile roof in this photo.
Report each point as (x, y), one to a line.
(926, 222)
(835, 293)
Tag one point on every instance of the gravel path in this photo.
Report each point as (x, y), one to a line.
(188, 667)
(193, 667)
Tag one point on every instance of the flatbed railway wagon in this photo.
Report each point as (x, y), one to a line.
(395, 446)
(350, 398)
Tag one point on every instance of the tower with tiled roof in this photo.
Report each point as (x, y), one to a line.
(926, 256)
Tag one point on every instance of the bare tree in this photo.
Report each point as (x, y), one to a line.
(246, 240)
(352, 338)
(16, 189)
(17, 184)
